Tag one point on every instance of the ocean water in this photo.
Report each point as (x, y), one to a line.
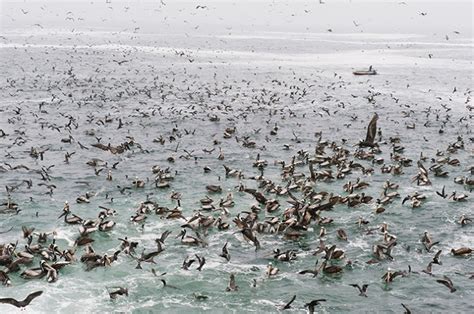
(254, 66)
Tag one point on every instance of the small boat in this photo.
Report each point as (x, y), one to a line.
(370, 71)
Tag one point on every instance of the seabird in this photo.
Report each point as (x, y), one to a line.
(119, 291)
(4, 279)
(310, 305)
(271, 270)
(232, 286)
(288, 305)
(447, 282)
(407, 310)
(362, 291)
(23, 303)
(371, 133)
(225, 253)
(461, 251)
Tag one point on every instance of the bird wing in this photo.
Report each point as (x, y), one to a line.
(448, 280)
(316, 302)
(429, 267)
(372, 130)
(330, 252)
(407, 310)
(288, 305)
(10, 301)
(164, 235)
(444, 282)
(31, 296)
(232, 282)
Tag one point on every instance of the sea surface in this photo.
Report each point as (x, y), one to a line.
(170, 69)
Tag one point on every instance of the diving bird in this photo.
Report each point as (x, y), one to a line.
(428, 242)
(232, 286)
(371, 132)
(166, 285)
(314, 271)
(464, 220)
(288, 305)
(428, 269)
(407, 310)
(187, 263)
(442, 193)
(310, 305)
(201, 261)
(447, 282)
(23, 303)
(225, 253)
(436, 258)
(363, 290)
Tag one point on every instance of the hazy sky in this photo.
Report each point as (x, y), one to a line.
(238, 1)
(439, 18)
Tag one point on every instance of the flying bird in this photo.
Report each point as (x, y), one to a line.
(362, 291)
(23, 303)
(447, 282)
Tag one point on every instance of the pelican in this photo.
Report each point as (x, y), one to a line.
(35, 273)
(371, 133)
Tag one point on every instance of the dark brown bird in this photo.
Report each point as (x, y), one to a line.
(312, 304)
(371, 132)
(463, 220)
(27, 231)
(201, 261)
(447, 282)
(461, 251)
(331, 269)
(187, 263)
(362, 291)
(428, 269)
(4, 279)
(120, 291)
(341, 234)
(389, 276)
(22, 303)
(250, 236)
(232, 286)
(436, 258)
(225, 253)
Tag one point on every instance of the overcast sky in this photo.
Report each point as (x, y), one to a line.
(210, 1)
(428, 17)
